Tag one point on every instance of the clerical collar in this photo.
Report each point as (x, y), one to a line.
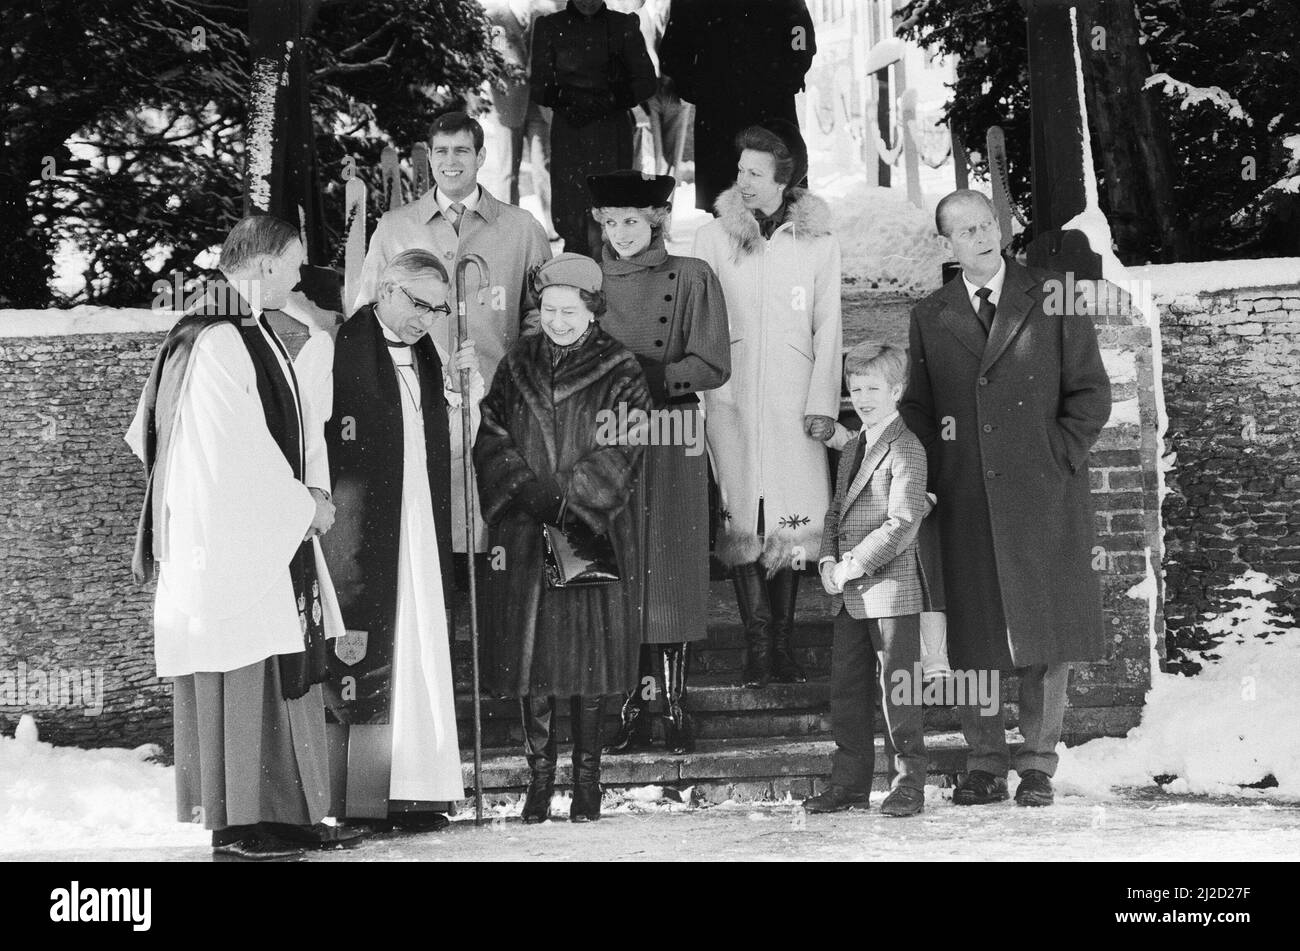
(390, 338)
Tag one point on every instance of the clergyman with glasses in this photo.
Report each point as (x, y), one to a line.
(390, 438)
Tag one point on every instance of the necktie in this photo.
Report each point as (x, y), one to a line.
(986, 310)
(457, 213)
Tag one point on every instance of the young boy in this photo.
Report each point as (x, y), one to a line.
(870, 565)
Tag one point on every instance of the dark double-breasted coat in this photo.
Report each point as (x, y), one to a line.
(670, 312)
(364, 437)
(1007, 425)
(548, 421)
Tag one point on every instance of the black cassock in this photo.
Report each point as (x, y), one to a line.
(364, 437)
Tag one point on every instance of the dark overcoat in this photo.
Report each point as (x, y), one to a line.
(1007, 427)
(544, 421)
(740, 62)
(670, 312)
(364, 437)
(591, 70)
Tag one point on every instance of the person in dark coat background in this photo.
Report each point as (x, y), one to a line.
(670, 312)
(1008, 399)
(590, 65)
(740, 63)
(391, 684)
(544, 456)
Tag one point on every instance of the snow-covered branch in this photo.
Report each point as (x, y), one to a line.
(1192, 95)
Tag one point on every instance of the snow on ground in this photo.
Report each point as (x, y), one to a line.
(1231, 725)
(54, 798)
(1153, 827)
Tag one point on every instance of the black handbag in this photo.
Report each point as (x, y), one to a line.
(577, 557)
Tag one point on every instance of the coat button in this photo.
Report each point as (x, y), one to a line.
(988, 428)
(671, 276)
(663, 320)
(984, 381)
(668, 297)
(990, 474)
(659, 343)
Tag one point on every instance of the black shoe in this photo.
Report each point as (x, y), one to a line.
(1035, 789)
(783, 589)
(756, 616)
(260, 847)
(837, 799)
(319, 837)
(539, 748)
(678, 738)
(584, 718)
(418, 821)
(979, 789)
(903, 801)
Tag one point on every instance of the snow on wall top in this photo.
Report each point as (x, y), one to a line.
(1204, 277)
(85, 319)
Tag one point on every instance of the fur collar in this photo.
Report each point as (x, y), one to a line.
(809, 215)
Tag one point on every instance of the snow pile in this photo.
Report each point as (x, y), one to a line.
(57, 798)
(885, 240)
(1230, 726)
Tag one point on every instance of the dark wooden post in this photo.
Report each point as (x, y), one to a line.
(1057, 142)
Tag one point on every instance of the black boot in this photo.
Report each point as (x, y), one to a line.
(634, 730)
(677, 725)
(585, 720)
(539, 747)
(783, 588)
(756, 616)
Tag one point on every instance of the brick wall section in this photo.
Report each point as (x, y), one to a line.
(70, 492)
(1232, 388)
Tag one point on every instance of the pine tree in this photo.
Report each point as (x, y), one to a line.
(123, 130)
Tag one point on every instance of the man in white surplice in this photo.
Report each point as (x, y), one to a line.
(237, 492)
(391, 682)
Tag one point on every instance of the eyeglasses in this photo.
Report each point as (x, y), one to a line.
(423, 307)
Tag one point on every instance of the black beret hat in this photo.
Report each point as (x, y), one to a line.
(630, 189)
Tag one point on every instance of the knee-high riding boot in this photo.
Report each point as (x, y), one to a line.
(783, 588)
(585, 719)
(634, 729)
(756, 616)
(677, 732)
(539, 748)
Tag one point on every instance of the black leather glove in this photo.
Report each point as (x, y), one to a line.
(655, 379)
(539, 501)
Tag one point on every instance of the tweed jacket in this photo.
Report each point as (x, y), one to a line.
(876, 514)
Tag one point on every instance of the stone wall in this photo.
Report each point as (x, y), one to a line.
(70, 491)
(1232, 388)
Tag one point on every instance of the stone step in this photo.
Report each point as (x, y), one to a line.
(719, 710)
(783, 765)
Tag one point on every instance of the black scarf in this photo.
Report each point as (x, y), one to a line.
(280, 409)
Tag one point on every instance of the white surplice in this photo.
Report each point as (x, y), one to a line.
(426, 751)
(233, 518)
